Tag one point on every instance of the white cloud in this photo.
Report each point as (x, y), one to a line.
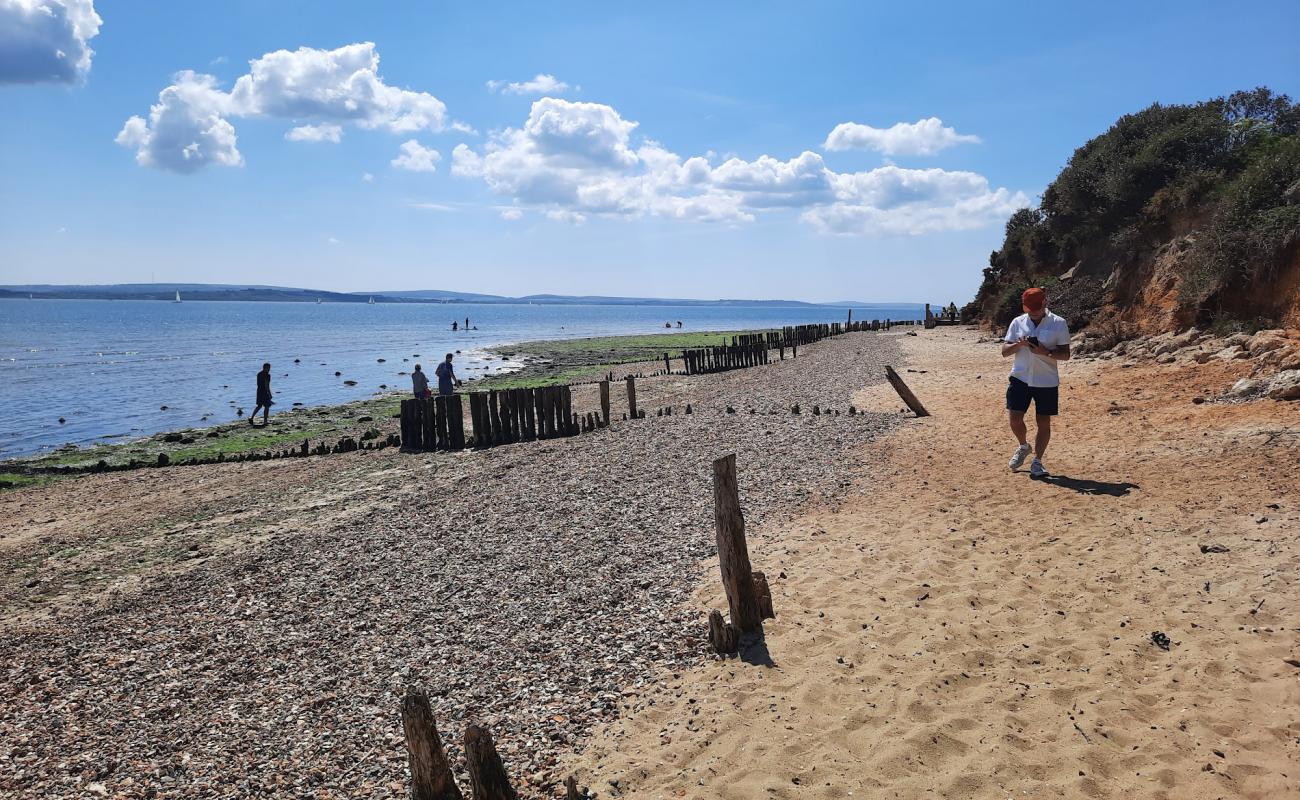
(540, 84)
(332, 240)
(367, 177)
(324, 132)
(46, 41)
(921, 138)
(326, 87)
(512, 214)
(433, 207)
(186, 129)
(416, 157)
(573, 160)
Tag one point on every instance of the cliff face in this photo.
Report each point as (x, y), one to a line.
(1177, 216)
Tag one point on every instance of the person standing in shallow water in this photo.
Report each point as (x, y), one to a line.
(264, 401)
(446, 377)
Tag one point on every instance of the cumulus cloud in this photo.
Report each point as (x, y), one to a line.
(571, 161)
(512, 214)
(326, 88)
(324, 132)
(415, 157)
(921, 138)
(186, 129)
(540, 84)
(46, 41)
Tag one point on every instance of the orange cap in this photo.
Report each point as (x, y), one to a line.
(1033, 300)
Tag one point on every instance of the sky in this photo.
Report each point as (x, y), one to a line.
(811, 151)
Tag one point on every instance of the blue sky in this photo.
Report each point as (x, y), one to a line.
(690, 152)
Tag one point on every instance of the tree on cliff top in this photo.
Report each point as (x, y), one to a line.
(1227, 170)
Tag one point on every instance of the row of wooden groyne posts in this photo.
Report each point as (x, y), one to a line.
(508, 416)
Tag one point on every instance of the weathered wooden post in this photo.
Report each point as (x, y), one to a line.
(668, 366)
(431, 777)
(631, 397)
(763, 593)
(487, 775)
(604, 400)
(457, 423)
(733, 555)
(722, 635)
(571, 789)
(905, 393)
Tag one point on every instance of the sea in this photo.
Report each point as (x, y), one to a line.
(86, 372)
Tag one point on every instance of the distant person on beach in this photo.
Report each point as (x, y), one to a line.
(1038, 339)
(264, 401)
(419, 382)
(466, 323)
(446, 377)
(454, 324)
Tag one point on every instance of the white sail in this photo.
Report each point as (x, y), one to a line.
(178, 296)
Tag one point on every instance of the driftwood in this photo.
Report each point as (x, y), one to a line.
(431, 777)
(722, 635)
(733, 555)
(905, 393)
(487, 775)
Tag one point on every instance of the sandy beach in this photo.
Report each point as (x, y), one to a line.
(955, 630)
(945, 628)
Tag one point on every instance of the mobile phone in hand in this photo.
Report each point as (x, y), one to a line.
(1032, 340)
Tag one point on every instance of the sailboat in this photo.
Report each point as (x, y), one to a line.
(317, 301)
(178, 296)
(370, 302)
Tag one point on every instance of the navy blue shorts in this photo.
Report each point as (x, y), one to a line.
(1020, 393)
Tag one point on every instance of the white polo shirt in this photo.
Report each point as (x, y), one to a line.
(1033, 369)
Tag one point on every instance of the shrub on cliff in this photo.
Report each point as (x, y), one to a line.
(1224, 171)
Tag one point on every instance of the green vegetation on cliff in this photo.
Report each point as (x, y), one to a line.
(1218, 182)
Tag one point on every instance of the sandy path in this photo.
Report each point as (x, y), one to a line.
(959, 631)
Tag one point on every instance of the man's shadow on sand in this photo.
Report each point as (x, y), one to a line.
(1086, 486)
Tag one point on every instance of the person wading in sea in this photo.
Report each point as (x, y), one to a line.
(419, 382)
(264, 401)
(447, 381)
(1038, 339)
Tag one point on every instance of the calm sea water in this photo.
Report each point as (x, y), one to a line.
(108, 366)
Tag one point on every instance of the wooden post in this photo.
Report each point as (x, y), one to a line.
(457, 422)
(668, 365)
(428, 421)
(722, 635)
(487, 775)
(764, 594)
(604, 400)
(733, 555)
(905, 393)
(631, 397)
(571, 789)
(431, 777)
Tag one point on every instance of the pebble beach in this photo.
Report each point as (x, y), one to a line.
(241, 629)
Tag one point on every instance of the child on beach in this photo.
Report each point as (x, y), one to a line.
(264, 401)
(1038, 339)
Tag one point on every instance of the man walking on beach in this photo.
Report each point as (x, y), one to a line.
(1038, 339)
(446, 377)
(264, 400)
(419, 383)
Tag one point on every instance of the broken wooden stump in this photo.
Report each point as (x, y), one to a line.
(571, 789)
(905, 393)
(764, 595)
(487, 775)
(431, 777)
(733, 555)
(722, 635)
(631, 397)
(604, 400)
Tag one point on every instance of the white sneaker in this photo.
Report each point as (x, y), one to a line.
(1018, 458)
(1036, 469)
